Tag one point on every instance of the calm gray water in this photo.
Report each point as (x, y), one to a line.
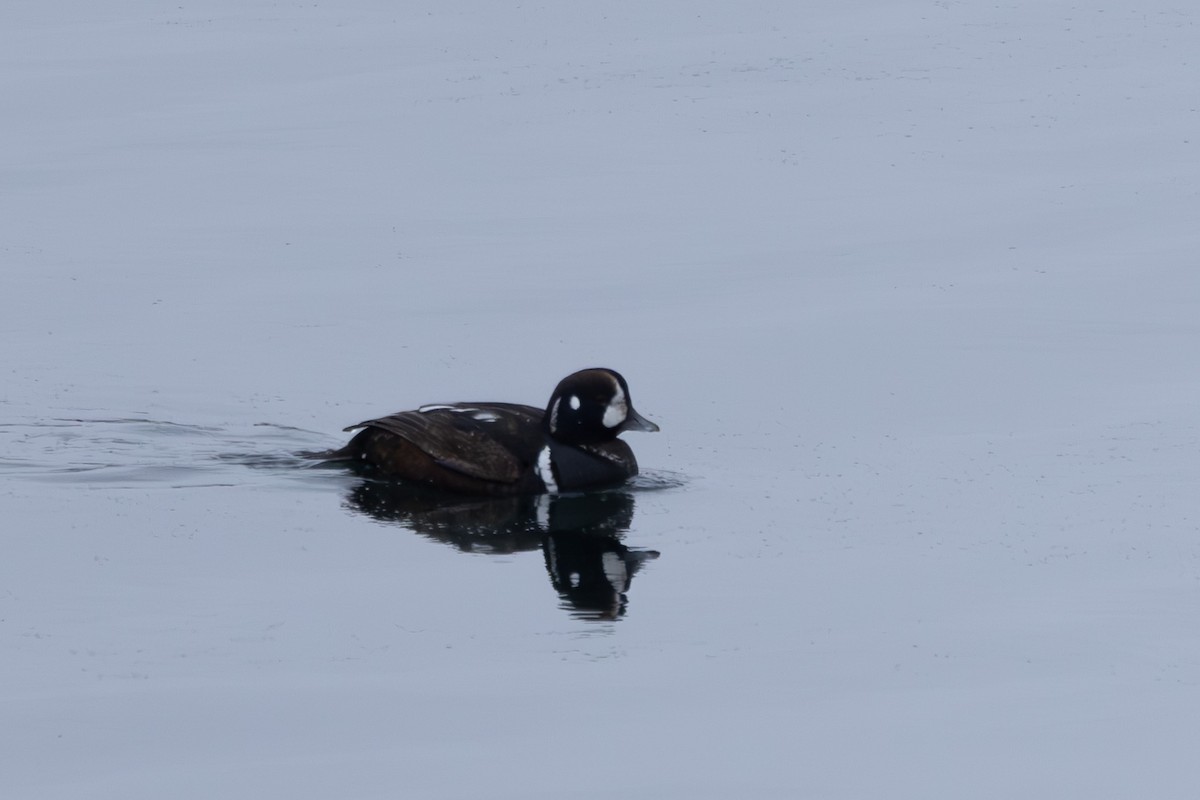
(909, 287)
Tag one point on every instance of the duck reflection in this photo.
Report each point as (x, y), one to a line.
(579, 535)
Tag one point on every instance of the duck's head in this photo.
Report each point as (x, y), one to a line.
(592, 406)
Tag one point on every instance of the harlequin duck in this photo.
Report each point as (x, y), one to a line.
(508, 449)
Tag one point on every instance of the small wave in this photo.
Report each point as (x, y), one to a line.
(656, 480)
(133, 450)
(136, 451)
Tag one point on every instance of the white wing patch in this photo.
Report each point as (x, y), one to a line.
(476, 413)
(618, 409)
(545, 469)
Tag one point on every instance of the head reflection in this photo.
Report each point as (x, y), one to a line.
(579, 535)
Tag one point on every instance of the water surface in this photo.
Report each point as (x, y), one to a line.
(910, 290)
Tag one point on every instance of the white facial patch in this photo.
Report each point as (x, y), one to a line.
(554, 415)
(615, 571)
(617, 411)
(545, 468)
(573, 401)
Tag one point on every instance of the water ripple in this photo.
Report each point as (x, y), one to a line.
(127, 451)
(138, 451)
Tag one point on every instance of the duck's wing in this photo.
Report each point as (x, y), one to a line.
(490, 441)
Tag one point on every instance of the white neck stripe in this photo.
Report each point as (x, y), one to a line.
(545, 469)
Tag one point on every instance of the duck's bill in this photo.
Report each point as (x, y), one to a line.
(636, 422)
